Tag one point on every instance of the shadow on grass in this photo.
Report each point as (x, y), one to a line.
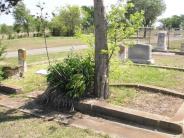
(12, 115)
(46, 111)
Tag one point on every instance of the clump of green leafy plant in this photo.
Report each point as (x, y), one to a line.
(69, 81)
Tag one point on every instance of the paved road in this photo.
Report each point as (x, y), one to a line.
(51, 50)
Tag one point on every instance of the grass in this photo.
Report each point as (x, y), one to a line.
(172, 61)
(150, 76)
(38, 58)
(121, 95)
(31, 81)
(130, 74)
(175, 44)
(15, 124)
(38, 42)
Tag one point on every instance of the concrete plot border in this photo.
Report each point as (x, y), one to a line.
(162, 67)
(169, 51)
(130, 116)
(10, 89)
(151, 88)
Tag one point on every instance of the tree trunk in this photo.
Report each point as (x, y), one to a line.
(101, 86)
(145, 32)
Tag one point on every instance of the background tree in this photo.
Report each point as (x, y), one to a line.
(88, 18)
(173, 22)
(152, 9)
(6, 30)
(67, 21)
(22, 17)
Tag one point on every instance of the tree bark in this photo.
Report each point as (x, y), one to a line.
(145, 32)
(101, 86)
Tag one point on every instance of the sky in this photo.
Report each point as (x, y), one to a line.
(174, 7)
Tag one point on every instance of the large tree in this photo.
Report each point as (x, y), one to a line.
(152, 9)
(22, 17)
(101, 60)
(116, 28)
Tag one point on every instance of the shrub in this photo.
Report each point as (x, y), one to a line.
(69, 81)
(1, 74)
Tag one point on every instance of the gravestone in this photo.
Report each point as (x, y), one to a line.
(162, 41)
(22, 61)
(182, 47)
(141, 53)
(123, 52)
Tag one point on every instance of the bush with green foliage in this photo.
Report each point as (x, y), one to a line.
(69, 81)
(1, 74)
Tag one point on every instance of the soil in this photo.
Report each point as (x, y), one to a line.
(155, 103)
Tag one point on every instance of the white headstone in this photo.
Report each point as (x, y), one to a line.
(123, 52)
(162, 41)
(22, 61)
(182, 47)
(141, 53)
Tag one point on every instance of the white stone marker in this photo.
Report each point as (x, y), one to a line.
(141, 54)
(182, 47)
(162, 41)
(22, 61)
(123, 52)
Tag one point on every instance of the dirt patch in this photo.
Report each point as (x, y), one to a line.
(155, 103)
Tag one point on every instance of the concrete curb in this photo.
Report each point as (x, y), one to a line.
(151, 88)
(120, 114)
(162, 67)
(10, 89)
(169, 51)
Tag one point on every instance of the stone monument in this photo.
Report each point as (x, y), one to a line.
(141, 54)
(22, 61)
(182, 47)
(123, 52)
(162, 41)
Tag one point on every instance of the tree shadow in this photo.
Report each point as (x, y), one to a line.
(12, 115)
(37, 109)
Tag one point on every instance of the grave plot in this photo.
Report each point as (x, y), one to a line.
(169, 60)
(146, 101)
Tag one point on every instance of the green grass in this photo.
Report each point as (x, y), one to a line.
(175, 44)
(151, 76)
(172, 61)
(31, 81)
(38, 58)
(121, 95)
(38, 42)
(15, 124)
(130, 74)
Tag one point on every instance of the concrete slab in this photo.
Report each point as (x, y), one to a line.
(117, 130)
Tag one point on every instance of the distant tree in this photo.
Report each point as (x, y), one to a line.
(67, 21)
(37, 25)
(17, 28)
(6, 30)
(87, 18)
(152, 9)
(22, 17)
(173, 22)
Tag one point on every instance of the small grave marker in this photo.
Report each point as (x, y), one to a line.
(22, 61)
